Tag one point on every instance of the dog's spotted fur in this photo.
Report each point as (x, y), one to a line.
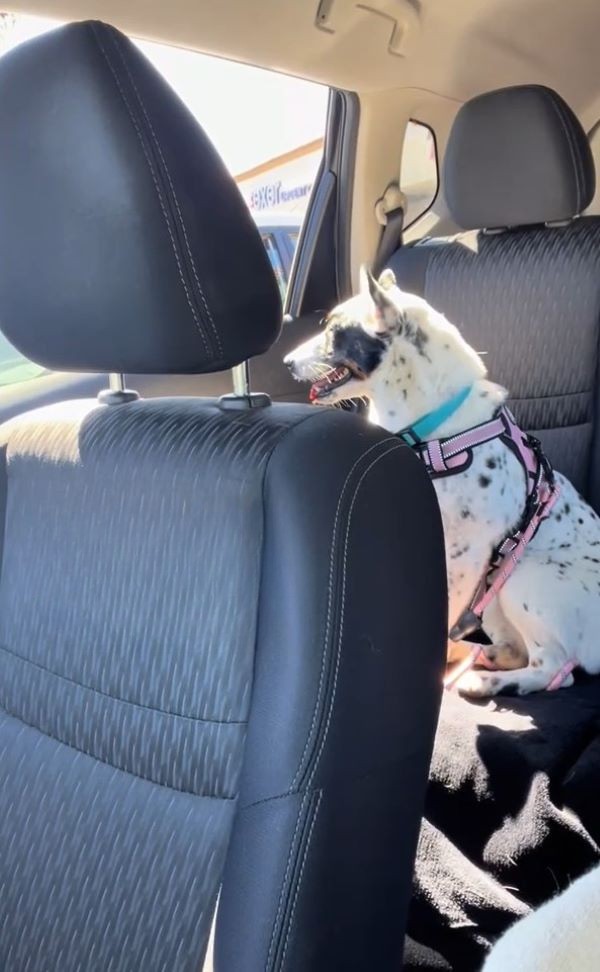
(409, 360)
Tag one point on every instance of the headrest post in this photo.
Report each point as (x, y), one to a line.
(117, 393)
(241, 379)
(116, 381)
(242, 397)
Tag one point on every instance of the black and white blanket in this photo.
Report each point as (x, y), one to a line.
(512, 816)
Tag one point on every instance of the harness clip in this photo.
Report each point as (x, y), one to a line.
(467, 624)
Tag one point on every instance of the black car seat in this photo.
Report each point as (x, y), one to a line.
(523, 283)
(222, 624)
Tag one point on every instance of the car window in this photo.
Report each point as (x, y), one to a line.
(418, 170)
(277, 261)
(277, 192)
(292, 236)
(267, 127)
(14, 367)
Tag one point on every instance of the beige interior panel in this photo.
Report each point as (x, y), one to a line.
(452, 47)
(406, 59)
(383, 120)
(594, 137)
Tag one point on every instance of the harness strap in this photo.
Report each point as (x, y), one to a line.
(562, 674)
(505, 558)
(452, 455)
(512, 549)
(444, 457)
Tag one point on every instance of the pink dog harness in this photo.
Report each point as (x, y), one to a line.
(446, 457)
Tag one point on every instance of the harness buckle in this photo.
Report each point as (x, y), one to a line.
(467, 624)
(545, 465)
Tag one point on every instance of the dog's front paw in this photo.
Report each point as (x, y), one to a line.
(479, 685)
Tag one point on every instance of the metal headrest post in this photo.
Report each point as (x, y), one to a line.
(242, 397)
(241, 379)
(116, 393)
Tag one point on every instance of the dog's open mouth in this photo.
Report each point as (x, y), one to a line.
(333, 379)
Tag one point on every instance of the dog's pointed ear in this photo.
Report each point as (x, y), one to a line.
(386, 312)
(364, 279)
(387, 279)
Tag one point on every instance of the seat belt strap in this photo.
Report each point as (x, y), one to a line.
(389, 212)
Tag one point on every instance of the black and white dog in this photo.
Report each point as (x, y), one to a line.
(413, 364)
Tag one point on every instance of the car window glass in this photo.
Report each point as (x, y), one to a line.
(418, 170)
(277, 261)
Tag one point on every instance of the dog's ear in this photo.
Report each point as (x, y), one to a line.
(386, 312)
(387, 279)
(364, 279)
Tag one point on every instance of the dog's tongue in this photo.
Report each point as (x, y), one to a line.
(332, 378)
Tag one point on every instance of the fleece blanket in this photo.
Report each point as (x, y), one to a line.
(512, 817)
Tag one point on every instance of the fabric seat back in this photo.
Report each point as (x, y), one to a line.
(222, 623)
(523, 281)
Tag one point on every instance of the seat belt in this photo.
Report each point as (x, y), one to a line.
(389, 212)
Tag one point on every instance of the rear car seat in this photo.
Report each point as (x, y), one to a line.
(523, 281)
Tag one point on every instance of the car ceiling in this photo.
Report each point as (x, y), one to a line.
(456, 48)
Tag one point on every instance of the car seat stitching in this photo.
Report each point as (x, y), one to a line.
(329, 608)
(117, 698)
(572, 148)
(394, 446)
(175, 199)
(286, 795)
(156, 185)
(579, 167)
(373, 463)
(433, 252)
(285, 877)
(299, 882)
(539, 398)
(115, 769)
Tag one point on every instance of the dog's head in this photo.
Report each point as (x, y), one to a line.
(388, 345)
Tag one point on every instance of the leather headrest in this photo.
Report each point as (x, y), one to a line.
(517, 156)
(125, 245)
